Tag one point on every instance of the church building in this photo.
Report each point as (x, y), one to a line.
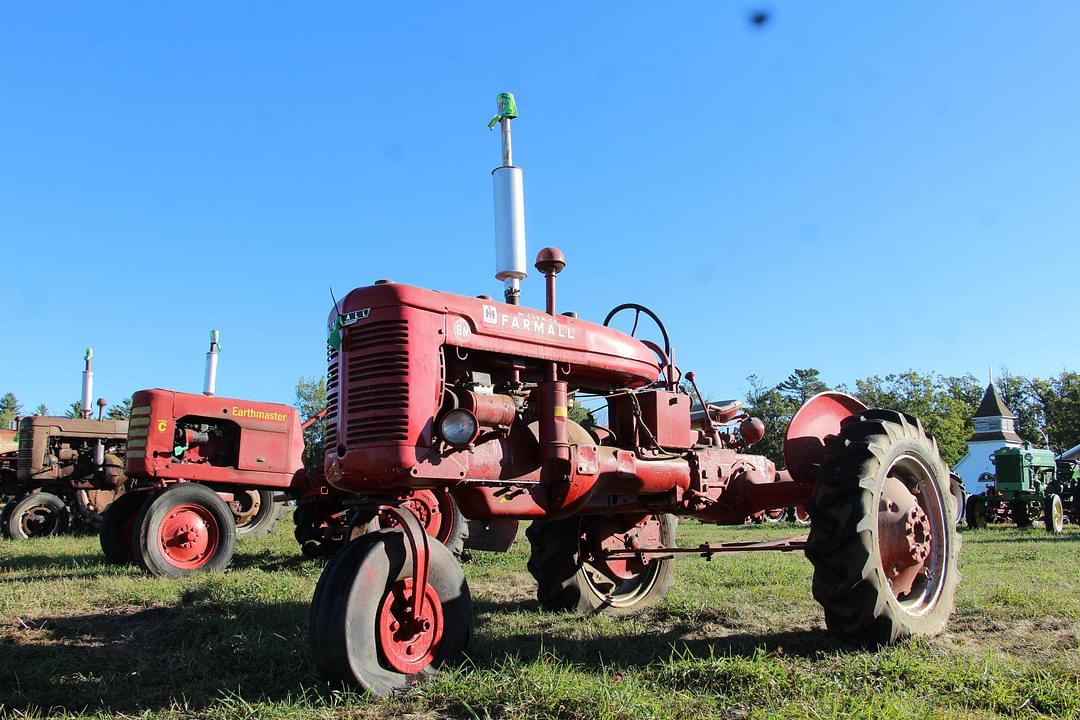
(995, 427)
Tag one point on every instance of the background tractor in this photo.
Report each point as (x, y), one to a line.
(1028, 482)
(68, 470)
(434, 391)
(202, 469)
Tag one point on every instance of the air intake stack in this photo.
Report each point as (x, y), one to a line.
(86, 404)
(210, 377)
(509, 206)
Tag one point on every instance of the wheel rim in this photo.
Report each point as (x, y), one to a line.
(188, 536)
(408, 644)
(913, 536)
(1057, 513)
(39, 520)
(621, 583)
(246, 507)
(433, 509)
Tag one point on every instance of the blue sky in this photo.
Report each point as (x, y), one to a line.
(857, 187)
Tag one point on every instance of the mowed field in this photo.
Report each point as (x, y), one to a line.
(738, 637)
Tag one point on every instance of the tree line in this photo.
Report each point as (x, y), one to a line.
(1047, 409)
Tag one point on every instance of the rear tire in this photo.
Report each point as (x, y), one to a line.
(1054, 517)
(118, 527)
(975, 512)
(185, 529)
(359, 594)
(39, 514)
(265, 518)
(567, 579)
(883, 541)
(4, 515)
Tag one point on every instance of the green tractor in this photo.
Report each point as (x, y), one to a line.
(1028, 480)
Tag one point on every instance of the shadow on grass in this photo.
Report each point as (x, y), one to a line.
(61, 561)
(134, 660)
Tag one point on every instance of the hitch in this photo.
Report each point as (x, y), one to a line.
(707, 550)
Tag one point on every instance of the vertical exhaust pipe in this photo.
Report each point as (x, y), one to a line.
(85, 405)
(210, 377)
(509, 206)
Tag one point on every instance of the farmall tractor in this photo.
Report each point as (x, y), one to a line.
(1028, 481)
(429, 390)
(69, 470)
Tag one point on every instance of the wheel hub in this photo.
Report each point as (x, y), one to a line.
(905, 534)
(409, 643)
(188, 536)
(428, 509)
(246, 506)
(39, 521)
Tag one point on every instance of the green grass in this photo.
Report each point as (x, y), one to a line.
(738, 637)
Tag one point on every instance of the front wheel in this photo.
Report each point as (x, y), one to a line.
(567, 559)
(883, 539)
(185, 529)
(39, 514)
(1020, 513)
(117, 535)
(362, 633)
(975, 512)
(1054, 517)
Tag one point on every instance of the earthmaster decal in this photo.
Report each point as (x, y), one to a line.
(257, 414)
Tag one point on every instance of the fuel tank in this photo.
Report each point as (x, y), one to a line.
(390, 349)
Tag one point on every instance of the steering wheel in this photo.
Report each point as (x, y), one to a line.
(663, 353)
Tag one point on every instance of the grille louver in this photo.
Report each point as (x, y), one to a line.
(376, 394)
(26, 443)
(331, 397)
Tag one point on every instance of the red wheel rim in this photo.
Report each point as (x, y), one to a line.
(913, 540)
(434, 510)
(409, 644)
(188, 536)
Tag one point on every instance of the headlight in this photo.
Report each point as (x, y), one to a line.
(459, 427)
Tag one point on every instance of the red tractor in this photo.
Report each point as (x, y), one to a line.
(433, 391)
(203, 469)
(429, 390)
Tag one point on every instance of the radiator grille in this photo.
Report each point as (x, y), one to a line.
(331, 397)
(377, 392)
(26, 443)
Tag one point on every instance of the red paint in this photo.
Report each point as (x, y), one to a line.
(804, 445)
(267, 454)
(188, 536)
(409, 642)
